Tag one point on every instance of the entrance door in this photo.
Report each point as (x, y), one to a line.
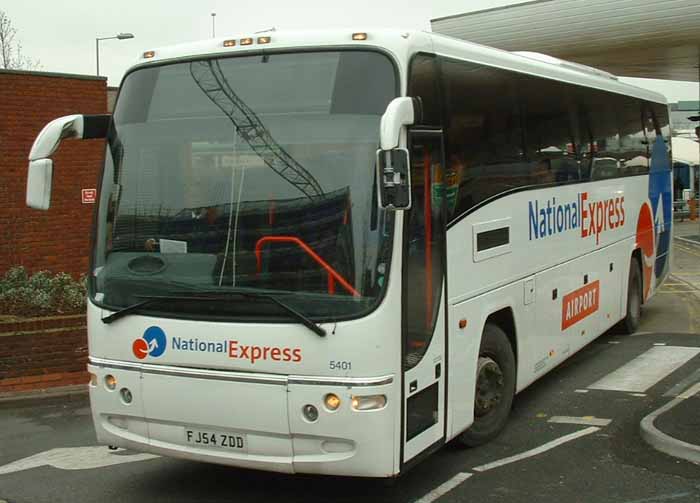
(423, 299)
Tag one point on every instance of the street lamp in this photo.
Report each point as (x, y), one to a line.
(120, 36)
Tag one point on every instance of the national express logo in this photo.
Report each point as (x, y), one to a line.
(152, 343)
(589, 218)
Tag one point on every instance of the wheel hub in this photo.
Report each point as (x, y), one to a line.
(489, 386)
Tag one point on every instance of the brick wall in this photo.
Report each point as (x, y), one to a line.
(57, 239)
(42, 353)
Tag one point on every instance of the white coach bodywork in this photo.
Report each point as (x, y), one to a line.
(263, 399)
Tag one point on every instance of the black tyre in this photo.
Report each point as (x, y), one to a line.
(633, 315)
(495, 388)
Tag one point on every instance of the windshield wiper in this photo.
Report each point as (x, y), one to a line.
(216, 297)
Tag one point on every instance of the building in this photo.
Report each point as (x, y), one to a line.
(684, 118)
(57, 240)
(656, 39)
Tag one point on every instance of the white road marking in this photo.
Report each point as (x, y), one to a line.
(75, 458)
(640, 395)
(693, 390)
(647, 369)
(537, 450)
(613, 342)
(580, 391)
(684, 384)
(585, 420)
(659, 344)
(444, 488)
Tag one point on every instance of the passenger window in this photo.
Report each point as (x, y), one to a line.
(506, 131)
(633, 151)
(604, 142)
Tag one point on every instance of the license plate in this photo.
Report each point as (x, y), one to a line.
(208, 438)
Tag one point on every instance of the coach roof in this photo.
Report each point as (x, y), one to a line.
(401, 44)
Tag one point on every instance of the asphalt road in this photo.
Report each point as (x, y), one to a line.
(566, 440)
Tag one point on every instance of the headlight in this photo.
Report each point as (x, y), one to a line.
(369, 402)
(331, 401)
(110, 382)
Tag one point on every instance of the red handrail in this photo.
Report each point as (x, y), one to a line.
(333, 275)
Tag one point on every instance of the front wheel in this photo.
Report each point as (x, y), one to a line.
(633, 314)
(495, 388)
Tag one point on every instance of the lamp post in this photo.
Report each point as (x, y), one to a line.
(213, 24)
(120, 36)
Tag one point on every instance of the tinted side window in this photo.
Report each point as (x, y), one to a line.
(552, 131)
(633, 143)
(423, 83)
(603, 146)
(505, 131)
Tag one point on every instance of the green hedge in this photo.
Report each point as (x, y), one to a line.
(41, 294)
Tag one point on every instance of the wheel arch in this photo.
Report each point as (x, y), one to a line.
(505, 320)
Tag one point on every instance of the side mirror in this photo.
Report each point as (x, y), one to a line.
(40, 173)
(39, 178)
(394, 176)
(393, 163)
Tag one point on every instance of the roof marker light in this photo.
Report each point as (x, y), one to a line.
(359, 36)
(149, 54)
(264, 40)
(247, 41)
(229, 43)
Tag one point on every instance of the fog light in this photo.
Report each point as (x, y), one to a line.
(110, 382)
(370, 402)
(310, 412)
(126, 395)
(331, 401)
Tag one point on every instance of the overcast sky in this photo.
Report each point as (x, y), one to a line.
(61, 33)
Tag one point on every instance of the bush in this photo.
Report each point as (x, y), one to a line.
(41, 294)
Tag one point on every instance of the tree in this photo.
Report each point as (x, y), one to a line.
(11, 56)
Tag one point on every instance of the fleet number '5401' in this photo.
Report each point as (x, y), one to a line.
(339, 365)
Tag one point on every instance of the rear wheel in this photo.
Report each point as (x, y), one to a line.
(495, 388)
(634, 299)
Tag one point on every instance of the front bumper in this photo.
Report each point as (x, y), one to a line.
(266, 409)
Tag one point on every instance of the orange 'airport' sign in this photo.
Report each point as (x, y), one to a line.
(579, 304)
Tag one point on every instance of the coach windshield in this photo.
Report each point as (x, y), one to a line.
(247, 174)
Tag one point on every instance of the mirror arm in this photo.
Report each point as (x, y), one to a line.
(70, 126)
(399, 113)
(96, 126)
(40, 169)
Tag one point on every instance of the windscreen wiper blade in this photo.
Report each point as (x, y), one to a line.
(219, 297)
(301, 318)
(130, 309)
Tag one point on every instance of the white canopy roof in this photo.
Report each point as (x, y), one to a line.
(685, 150)
(635, 38)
